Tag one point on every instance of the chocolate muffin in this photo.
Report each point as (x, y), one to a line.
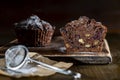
(84, 35)
(34, 32)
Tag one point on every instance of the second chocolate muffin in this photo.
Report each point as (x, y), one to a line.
(84, 35)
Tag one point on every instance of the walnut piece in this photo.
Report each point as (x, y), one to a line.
(87, 35)
(96, 42)
(81, 41)
(87, 45)
(67, 45)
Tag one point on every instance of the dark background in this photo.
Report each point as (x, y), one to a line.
(58, 13)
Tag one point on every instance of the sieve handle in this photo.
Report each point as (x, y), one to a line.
(62, 71)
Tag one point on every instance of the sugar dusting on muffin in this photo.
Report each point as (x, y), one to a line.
(34, 22)
(34, 32)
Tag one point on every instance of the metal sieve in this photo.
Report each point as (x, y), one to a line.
(17, 56)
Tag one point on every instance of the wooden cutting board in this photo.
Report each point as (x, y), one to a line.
(57, 49)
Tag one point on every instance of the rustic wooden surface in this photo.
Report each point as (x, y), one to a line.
(57, 49)
(89, 72)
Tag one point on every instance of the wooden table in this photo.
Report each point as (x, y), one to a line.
(89, 72)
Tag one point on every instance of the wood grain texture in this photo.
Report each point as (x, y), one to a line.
(57, 49)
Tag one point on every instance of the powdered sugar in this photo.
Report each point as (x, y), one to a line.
(34, 22)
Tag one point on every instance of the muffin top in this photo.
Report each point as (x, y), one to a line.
(34, 23)
(85, 23)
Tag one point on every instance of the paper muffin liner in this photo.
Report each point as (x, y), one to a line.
(34, 38)
(43, 38)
